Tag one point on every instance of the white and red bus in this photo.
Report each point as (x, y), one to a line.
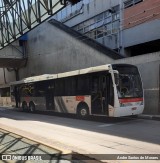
(112, 90)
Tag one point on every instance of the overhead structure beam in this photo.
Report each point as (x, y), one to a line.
(20, 16)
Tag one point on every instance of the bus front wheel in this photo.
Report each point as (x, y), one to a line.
(83, 112)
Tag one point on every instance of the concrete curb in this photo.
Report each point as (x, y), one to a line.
(150, 117)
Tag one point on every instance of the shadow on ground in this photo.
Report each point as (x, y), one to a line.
(20, 150)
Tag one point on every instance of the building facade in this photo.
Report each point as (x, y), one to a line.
(127, 26)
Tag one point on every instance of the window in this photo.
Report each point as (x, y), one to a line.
(86, 29)
(59, 87)
(70, 86)
(83, 86)
(108, 20)
(101, 25)
(130, 3)
(116, 9)
(115, 16)
(108, 29)
(92, 26)
(40, 89)
(27, 90)
(137, 1)
(69, 12)
(100, 32)
(98, 17)
(107, 14)
(115, 26)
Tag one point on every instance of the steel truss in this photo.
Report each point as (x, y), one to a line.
(20, 16)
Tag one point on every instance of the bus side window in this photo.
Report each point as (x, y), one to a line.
(83, 85)
(39, 89)
(59, 87)
(70, 86)
(26, 90)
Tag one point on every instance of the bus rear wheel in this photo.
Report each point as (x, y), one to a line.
(24, 106)
(83, 112)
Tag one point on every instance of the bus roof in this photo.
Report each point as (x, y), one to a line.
(62, 75)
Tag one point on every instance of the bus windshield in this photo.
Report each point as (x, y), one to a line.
(130, 85)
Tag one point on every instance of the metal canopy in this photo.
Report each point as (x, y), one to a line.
(20, 16)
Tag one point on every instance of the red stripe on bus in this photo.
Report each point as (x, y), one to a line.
(130, 100)
(27, 98)
(79, 98)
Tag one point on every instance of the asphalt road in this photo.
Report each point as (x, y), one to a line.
(94, 136)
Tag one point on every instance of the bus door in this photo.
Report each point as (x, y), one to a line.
(99, 100)
(50, 96)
